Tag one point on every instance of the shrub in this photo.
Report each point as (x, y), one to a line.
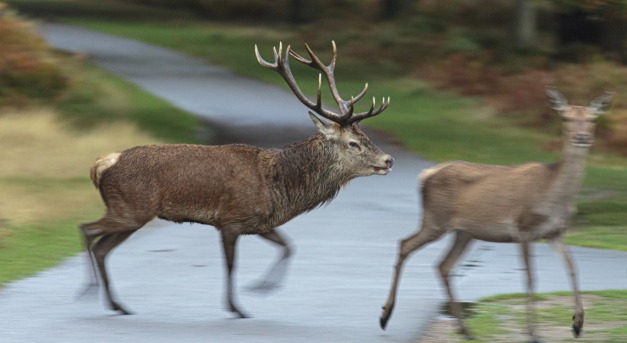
(28, 69)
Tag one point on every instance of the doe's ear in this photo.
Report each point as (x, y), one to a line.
(558, 101)
(602, 103)
(328, 128)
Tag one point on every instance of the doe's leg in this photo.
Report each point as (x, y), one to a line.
(426, 235)
(456, 251)
(562, 249)
(526, 250)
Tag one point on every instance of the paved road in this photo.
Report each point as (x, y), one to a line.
(171, 275)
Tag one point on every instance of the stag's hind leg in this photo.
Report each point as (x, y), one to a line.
(456, 251)
(90, 234)
(272, 279)
(428, 233)
(101, 237)
(101, 250)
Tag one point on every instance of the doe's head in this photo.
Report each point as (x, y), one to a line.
(579, 121)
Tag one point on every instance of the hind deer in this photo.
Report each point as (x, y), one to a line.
(238, 189)
(496, 203)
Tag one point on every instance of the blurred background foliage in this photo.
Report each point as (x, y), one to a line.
(503, 51)
(28, 69)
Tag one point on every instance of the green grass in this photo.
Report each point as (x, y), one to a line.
(502, 318)
(36, 247)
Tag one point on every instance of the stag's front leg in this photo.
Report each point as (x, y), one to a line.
(272, 279)
(525, 249)
(558, 245)
(229, 241)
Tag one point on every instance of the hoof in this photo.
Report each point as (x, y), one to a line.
(121, 310)
(263, 287)
(383, 322)
(238, 313)
(385, 316)
(466, 334)
(576, 330)
(90, 290)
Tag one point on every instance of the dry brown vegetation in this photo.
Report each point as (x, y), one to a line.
(28, 69)
(44, 175)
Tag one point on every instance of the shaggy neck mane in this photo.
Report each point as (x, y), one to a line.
(306, 174)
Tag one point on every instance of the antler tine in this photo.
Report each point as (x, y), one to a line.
(328, 71)
(282, 66)
(359, 96)
(371, 113)
(263, 62)
(347, 115)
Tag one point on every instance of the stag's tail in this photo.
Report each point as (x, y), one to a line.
(101, 165)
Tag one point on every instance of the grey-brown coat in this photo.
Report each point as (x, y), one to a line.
(239, 189)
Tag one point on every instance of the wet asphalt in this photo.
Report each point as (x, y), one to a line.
(171, 275)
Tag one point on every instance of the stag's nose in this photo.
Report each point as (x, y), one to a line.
(389, 161)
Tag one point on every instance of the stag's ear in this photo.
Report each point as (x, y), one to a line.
(328, 128)
(602, 103)
(558, 101)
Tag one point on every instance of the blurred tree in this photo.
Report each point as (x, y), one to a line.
(526, 26)
(599, 23)
(391, 9)
(302, 11)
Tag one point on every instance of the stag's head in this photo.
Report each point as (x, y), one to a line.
(341, 130)
(579, 121)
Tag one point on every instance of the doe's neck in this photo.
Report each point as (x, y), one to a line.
(571, 170)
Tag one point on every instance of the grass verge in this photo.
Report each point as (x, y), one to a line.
(46, 191)
(502, 319)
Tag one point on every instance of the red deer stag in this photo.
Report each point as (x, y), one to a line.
(238, 189)
(495, 203)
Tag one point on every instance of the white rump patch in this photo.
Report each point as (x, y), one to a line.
(105, 163)
(426, 173)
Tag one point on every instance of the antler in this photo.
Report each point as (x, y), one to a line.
(346, 116)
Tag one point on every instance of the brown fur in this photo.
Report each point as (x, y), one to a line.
(505, 204)
(238, 189)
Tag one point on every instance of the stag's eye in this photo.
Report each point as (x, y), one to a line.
(354, 145)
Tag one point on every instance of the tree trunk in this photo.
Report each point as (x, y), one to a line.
(302, 11)
(391, 9)
(525, 31)
(580, 27)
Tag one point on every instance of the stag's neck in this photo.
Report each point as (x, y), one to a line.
(306, 174)
(570, 172)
